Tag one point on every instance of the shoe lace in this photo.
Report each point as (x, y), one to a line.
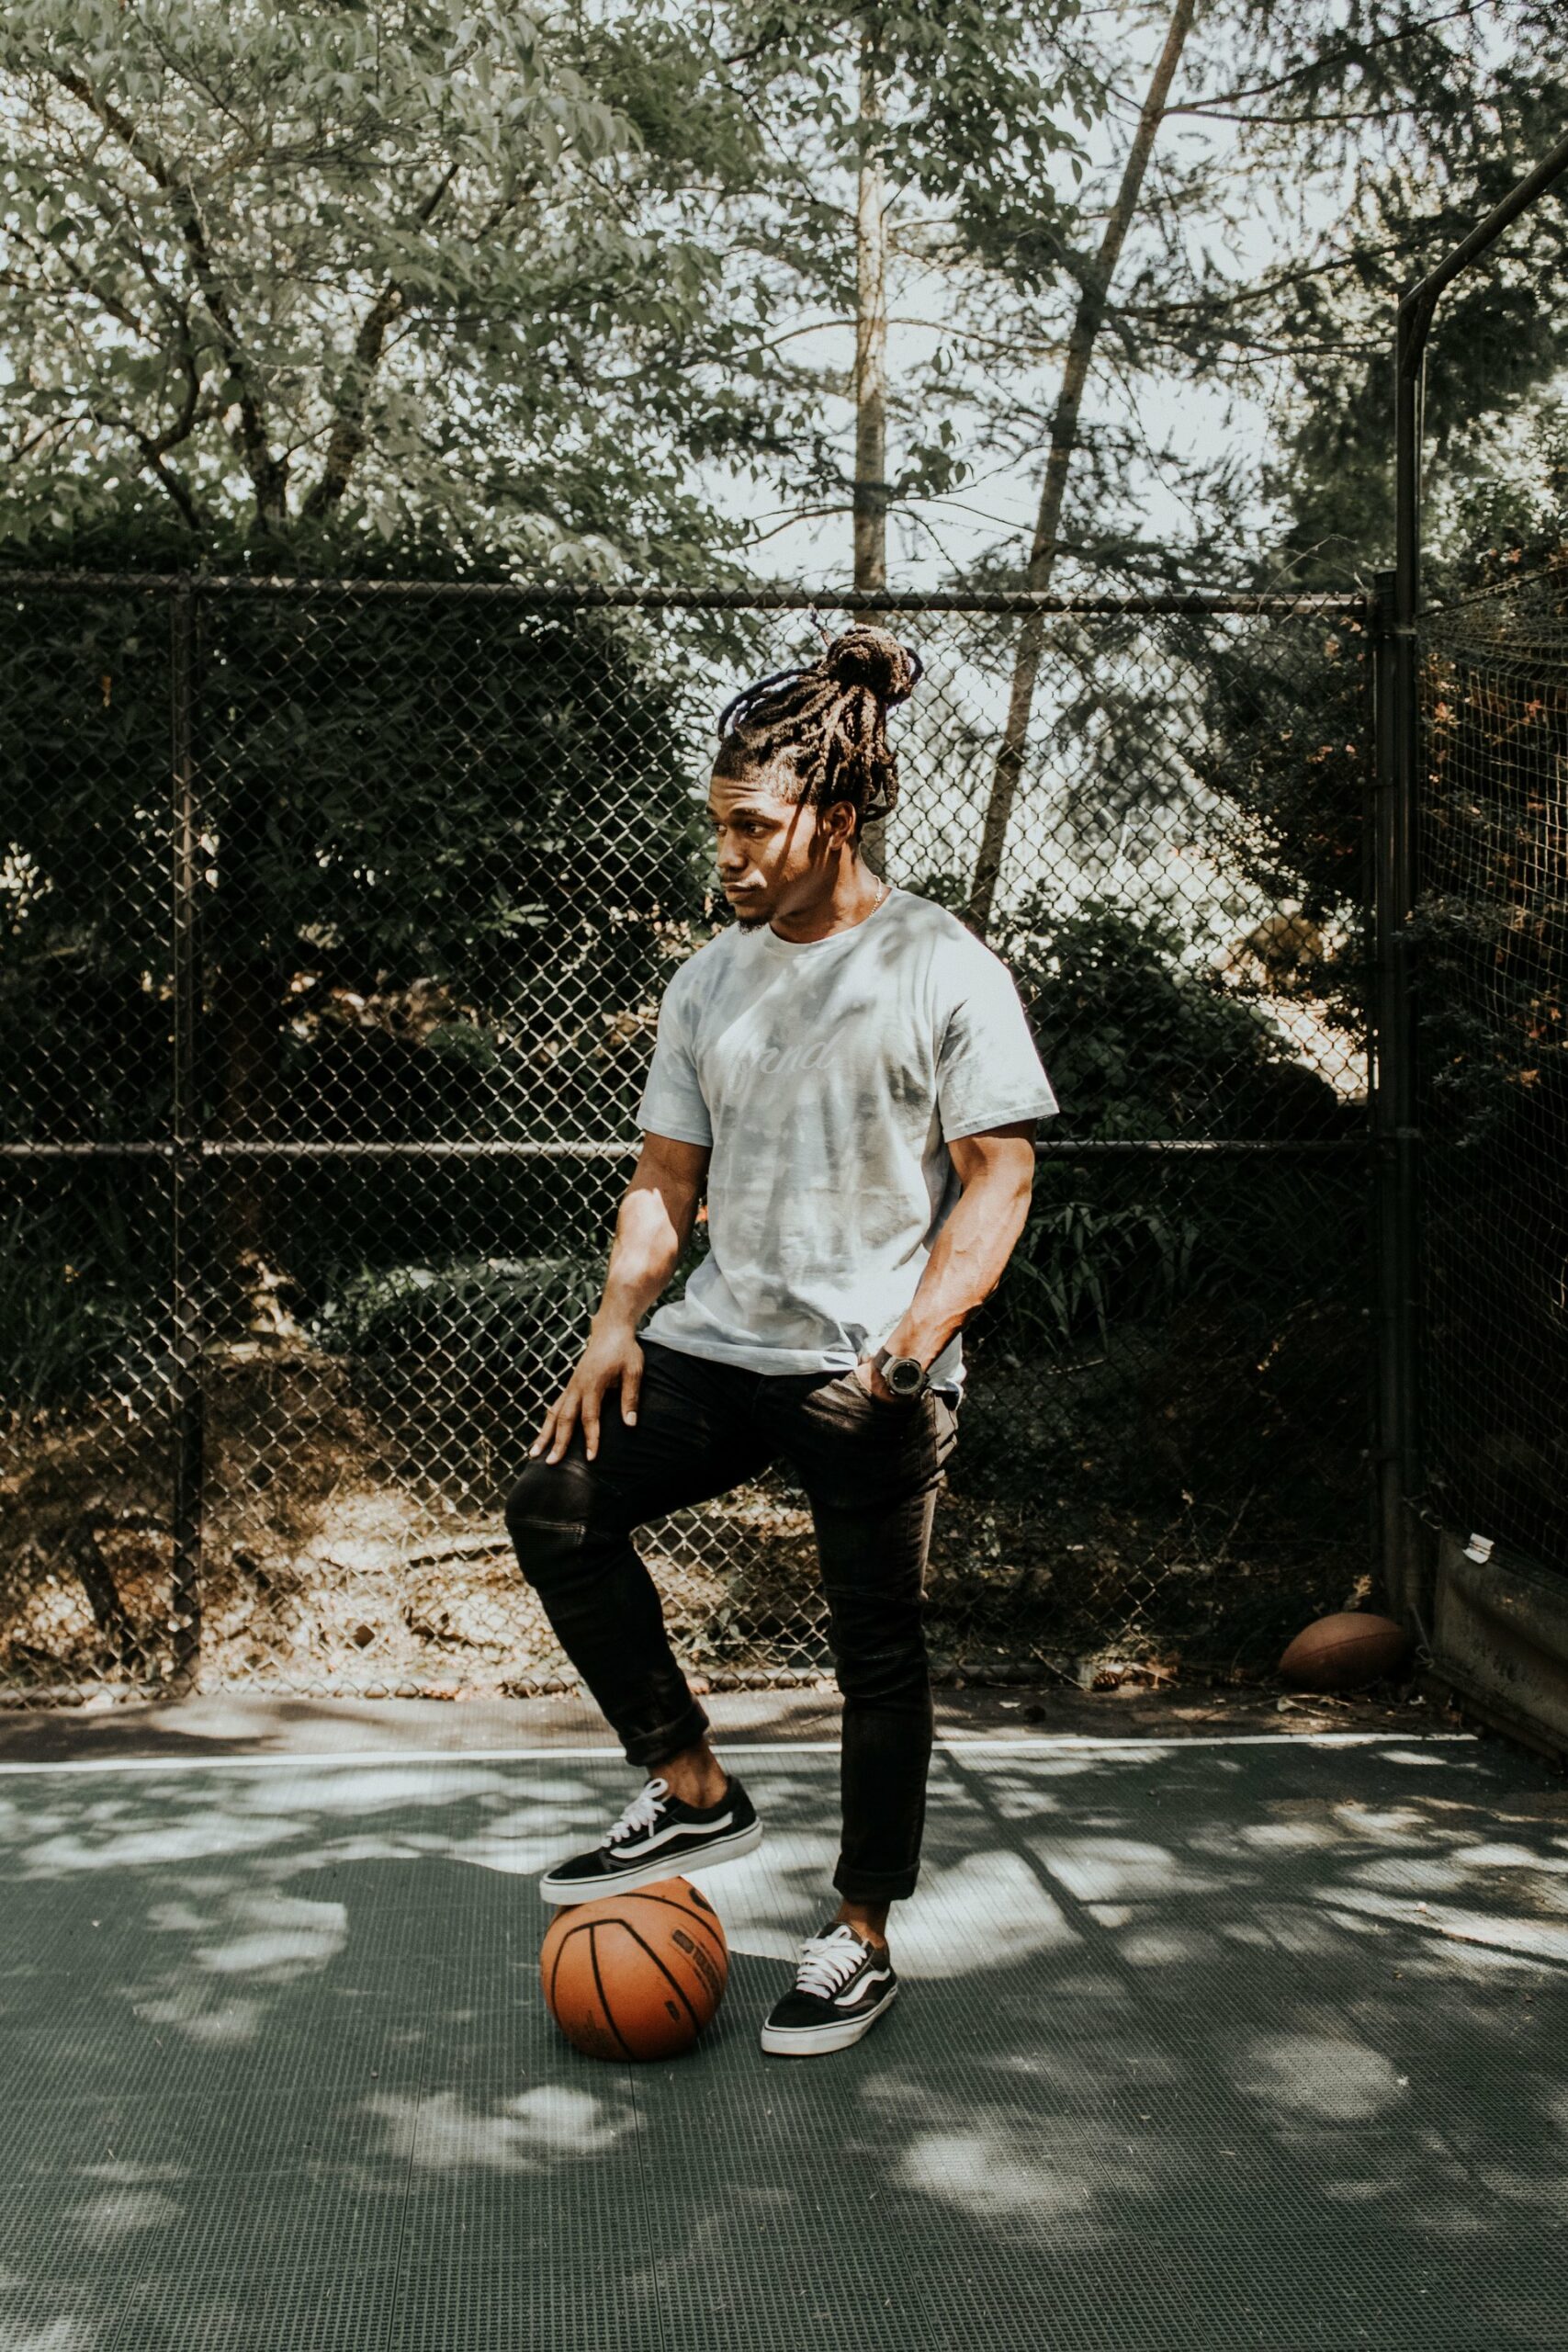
(641, 1813)
(826, 1963)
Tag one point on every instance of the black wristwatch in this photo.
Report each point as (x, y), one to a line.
(905, 1376)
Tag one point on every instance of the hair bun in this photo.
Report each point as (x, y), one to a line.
(871, 658)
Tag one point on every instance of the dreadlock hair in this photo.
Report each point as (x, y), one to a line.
(826, 726)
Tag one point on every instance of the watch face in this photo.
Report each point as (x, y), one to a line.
(904, 1376)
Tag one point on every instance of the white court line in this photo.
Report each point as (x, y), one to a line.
(1064, 1742)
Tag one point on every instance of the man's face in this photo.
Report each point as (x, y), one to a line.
(775, 856)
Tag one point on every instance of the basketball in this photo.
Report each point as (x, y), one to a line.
(635, 1975)
(1345, 1651)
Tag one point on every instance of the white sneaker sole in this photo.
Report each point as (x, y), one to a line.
(562, 1892)
(817, 2040)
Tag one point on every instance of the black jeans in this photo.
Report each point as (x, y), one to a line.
(870, 1470)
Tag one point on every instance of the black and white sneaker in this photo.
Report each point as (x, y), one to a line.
(841, 1987)
(658, 1837)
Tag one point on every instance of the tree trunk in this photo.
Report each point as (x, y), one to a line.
(871, 340)
(871, 375)
(247, 1003)
(103, 1594)
(1087, 322)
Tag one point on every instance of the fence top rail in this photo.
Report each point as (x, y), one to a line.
(351, 1147)
(1197, 602)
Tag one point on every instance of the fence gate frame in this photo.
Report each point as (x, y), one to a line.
(1497, 1634)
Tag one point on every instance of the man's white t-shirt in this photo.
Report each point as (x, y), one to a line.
(829, 1076)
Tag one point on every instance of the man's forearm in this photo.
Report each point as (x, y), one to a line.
(967, 1261)
(652, 1230)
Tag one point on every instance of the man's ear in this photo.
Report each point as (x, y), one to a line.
(838, 819)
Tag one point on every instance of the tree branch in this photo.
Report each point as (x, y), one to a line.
(1241, 296)
(1087, 321)
(20, 449)
(1295, 122)
(105, 298)
(268, 477)
(154, 446)
(346, 440)
(1352, 53)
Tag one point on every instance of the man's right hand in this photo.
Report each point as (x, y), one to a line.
(611, 1359)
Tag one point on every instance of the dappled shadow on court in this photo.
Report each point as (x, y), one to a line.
(1199, 2045)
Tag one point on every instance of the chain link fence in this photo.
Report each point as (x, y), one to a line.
(334, 919)
(1492, 927)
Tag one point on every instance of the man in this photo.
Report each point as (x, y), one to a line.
(851, 1073)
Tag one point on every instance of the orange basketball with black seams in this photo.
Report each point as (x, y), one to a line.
(1345, 1651)
(635, 1975)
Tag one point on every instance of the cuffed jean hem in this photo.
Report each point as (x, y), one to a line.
(648, 1750)
(876, 1886)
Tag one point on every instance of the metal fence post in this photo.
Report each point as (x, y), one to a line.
(188, 1396)
(1395, 1140)
(1395, 1134)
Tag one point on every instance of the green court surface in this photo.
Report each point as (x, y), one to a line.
(1211, 2043)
